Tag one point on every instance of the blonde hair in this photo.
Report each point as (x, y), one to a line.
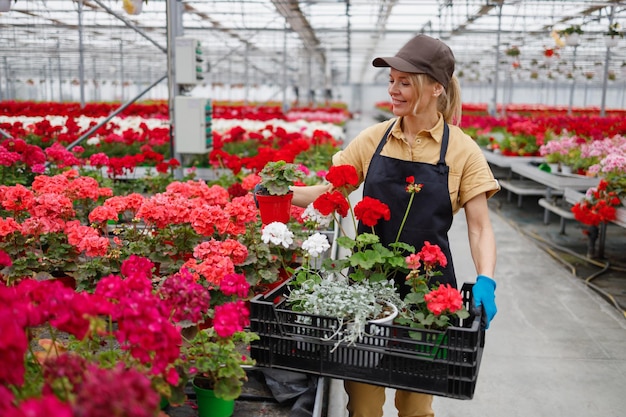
(448, 103)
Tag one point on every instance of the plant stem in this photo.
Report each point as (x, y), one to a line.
(406, 215)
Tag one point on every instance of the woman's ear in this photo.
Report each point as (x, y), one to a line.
(437, 90)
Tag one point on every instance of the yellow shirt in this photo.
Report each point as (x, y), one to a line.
(469, 173)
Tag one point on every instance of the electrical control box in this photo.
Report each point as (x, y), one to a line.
(193, 125)
(188, 61)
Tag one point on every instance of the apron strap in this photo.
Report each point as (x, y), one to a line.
(383, 140)
(444, 148)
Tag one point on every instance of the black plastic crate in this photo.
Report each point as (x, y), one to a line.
(443, 363)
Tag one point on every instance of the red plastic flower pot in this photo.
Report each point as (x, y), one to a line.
(274, 208)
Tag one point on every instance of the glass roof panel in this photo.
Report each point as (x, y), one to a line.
(246, 41)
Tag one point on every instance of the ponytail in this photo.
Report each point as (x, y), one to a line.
(449, 103)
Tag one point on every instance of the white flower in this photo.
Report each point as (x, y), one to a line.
(93, 141)
(277, 233)
(313, 215)
(316, 244)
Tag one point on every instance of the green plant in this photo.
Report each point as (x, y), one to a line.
(354, 305)
(513, 51)
(572, 29)
(277, 177)
(352, 288)
(430, 306)
(217, 363)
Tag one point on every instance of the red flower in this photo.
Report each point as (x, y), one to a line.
(5, 259)
(598, 207)
(370, 211)
(444, 299)
(330, 202)
(342, 175)
(432, 255)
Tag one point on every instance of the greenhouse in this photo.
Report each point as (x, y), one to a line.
(325, 208)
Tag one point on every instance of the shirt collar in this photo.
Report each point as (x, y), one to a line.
(436, 132)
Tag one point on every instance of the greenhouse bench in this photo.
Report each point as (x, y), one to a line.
(525, 188)
(560, 207)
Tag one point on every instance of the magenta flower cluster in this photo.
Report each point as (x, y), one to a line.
(146, 331)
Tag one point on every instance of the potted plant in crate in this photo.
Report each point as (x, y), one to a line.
(306, 314)
(273, 195)
(365, 274)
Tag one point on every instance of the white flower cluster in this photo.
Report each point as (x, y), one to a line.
(277, 233)
(316, 244)
(310, 214)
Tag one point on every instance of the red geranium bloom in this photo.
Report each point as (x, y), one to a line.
(370, 211)
(432, 255)
(330, 202)
(342, 175)
(444, 299)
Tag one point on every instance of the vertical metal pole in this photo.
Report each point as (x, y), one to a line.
(96, 88)
(349, 45)
(59, 70)
(284, 83)
(81, 58)
(246, 74)
(122, 80)
(6, 77)
(494, 101)
(173, 30)
(49, 78)
(572, 87)
(607, 61)
(1, 92)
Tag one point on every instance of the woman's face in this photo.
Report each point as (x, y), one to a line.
(404, 96)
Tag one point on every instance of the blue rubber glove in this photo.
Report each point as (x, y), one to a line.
(484, 292)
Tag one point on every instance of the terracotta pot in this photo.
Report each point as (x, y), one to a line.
(274, 208)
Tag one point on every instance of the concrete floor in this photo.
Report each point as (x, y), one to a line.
(556, 347)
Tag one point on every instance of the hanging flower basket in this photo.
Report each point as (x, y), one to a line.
(610, 41)
(572, 39)
(513, 51)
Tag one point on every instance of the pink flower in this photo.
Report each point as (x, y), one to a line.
(230, 318)
(413, 261)
(235, 284)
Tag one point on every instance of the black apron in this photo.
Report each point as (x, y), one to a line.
(431, 215)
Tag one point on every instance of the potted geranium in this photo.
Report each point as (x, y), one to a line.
(64, 345)
(367, 269)
(321, 321)
(216, 366)
(273, 195)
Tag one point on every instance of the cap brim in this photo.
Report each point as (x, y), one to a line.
(396, 63)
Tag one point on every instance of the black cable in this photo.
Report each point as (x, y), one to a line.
(550, 247)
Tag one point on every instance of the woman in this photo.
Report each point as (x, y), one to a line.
(423, 142)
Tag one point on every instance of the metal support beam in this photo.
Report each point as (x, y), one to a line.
(290, 10)
(112, 115)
